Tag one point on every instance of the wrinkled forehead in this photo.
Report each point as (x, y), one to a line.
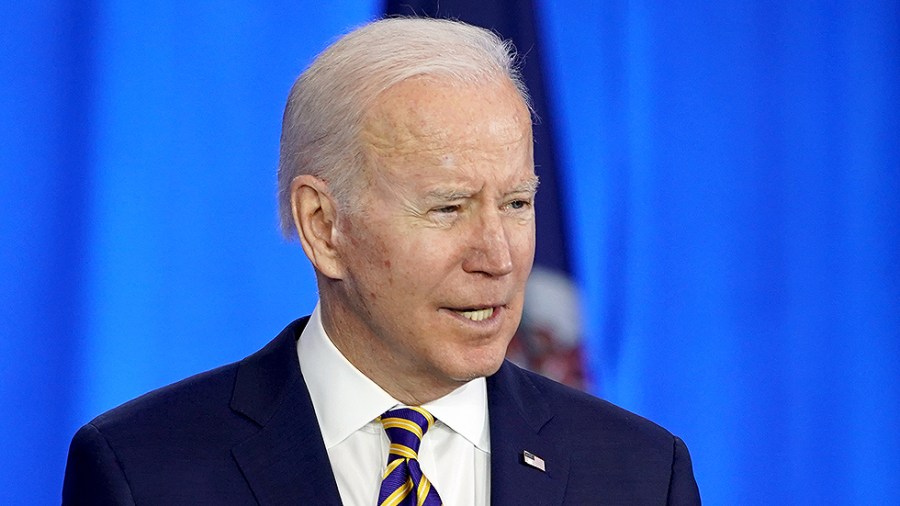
(423, 114)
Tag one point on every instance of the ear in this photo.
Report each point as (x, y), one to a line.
(315, 216)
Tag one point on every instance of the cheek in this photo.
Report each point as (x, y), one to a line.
(522, 243)
(379, 262)
(419, 251)
(396, 263)
(368, 261)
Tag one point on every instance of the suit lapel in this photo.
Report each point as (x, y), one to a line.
(286, 461)
(519, 417)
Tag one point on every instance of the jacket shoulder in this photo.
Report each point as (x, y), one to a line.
(157, 448)
(591, 414)
(211, 401)
(193, 399)
(616, 455)
(174, 445)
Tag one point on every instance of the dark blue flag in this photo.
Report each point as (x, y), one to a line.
(549, 339)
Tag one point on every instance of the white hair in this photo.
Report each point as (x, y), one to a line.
(327, 103)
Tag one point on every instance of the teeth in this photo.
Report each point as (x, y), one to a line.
(478, 315)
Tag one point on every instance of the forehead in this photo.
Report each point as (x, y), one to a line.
(423, 115)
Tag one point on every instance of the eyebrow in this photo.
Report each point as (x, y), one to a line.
(528, 186)
(442, 194)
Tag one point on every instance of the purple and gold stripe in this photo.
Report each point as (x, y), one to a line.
(403, 483)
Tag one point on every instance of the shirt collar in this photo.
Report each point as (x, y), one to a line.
(464, 410)
(345, 400)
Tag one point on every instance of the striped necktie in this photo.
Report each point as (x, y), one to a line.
(403, 483)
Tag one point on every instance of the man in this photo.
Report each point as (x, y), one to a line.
(406, 172)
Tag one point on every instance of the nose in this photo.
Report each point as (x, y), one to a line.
(489, 251)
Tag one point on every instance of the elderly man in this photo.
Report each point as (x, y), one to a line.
(407, 175)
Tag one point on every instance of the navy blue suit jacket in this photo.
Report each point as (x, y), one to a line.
(246, 433)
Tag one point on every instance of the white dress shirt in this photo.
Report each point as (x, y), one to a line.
(455, 452)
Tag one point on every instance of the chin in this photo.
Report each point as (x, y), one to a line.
(480, 366)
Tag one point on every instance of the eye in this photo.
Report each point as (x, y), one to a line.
(519, 204)
(447, 209)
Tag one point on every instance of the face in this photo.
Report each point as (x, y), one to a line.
(433, 267)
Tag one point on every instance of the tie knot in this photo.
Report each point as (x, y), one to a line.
(405, 428)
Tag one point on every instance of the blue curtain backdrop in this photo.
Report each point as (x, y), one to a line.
(733, 179)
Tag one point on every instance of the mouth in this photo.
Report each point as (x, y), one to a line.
(476, 315)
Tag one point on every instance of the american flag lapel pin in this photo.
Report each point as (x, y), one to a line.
(533, 460)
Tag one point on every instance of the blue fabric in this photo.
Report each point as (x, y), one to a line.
(739, 233)
(732, 170)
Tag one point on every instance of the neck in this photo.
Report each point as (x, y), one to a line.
(409, 386)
